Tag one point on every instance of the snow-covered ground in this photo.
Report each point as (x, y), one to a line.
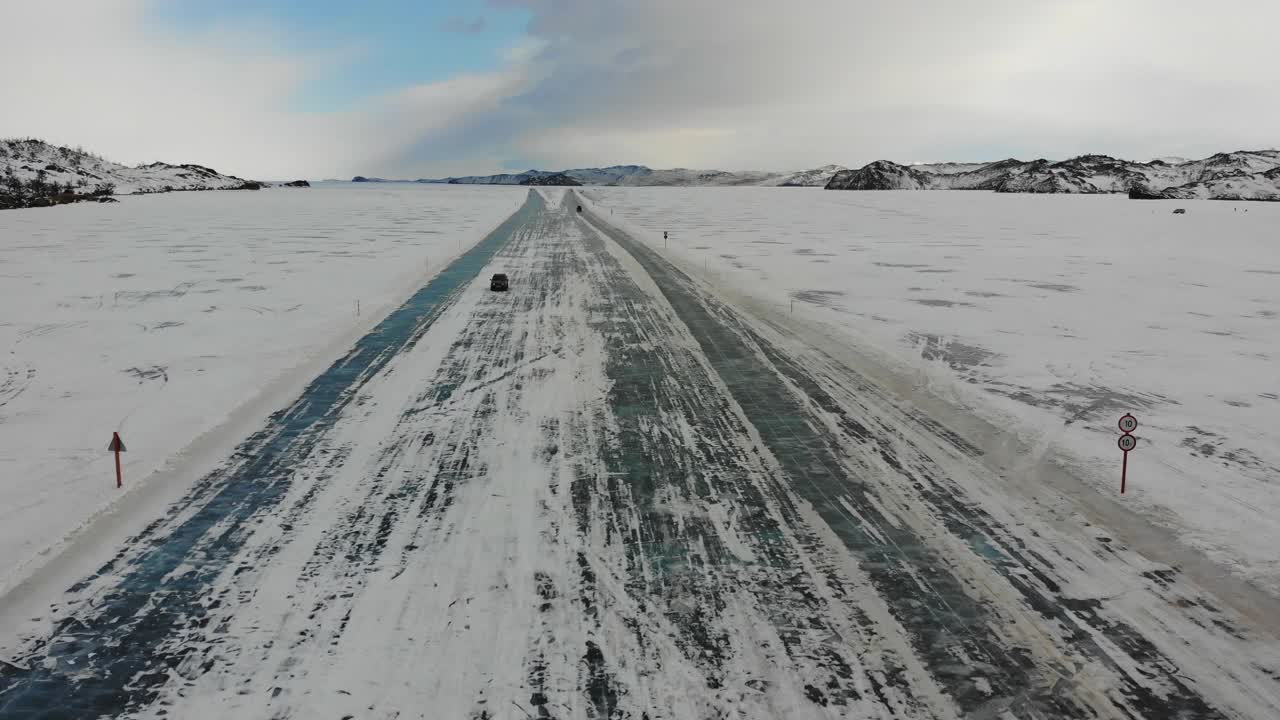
(1049, 315)
(162, 315)
(615, 492)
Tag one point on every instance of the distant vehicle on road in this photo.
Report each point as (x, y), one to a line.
(498, 282)
(579, 208)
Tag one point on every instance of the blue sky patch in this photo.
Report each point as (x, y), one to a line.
(386, 44)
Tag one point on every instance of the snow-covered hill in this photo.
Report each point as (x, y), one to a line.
(1242, 175)
(614, 175)
(558, 179)
(501, 179)
(947, 168)
(881, 175)
(816, 177)
(29, 160)
(642, 176)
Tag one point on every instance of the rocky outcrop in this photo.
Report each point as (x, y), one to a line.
(559, 179)
(1141, 192)
(881, 175)
(1244, 175)
(297, 184)
(46, 170)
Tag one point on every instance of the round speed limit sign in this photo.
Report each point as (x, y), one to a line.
(1127, 442)
(1128, 424)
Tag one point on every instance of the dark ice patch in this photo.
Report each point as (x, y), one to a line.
(155, 372)
(1208, 444)
(934, 302)
(177, 291)
(598, 683)
(956, 354)
(982, 294)
(1080, 401)
(825, 298)
(1056, 287)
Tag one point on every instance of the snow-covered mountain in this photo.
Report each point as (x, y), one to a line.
(557, 179)
(1242, 175)
(29, 160)
(501, 179)
(615, 175)
(816, 177)
(947, 168)
(642, 176)
(881, 175)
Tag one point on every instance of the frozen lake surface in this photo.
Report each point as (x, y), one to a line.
(1051, 316)
(628, 487)
(162, 315)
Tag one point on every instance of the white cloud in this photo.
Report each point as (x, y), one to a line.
(98, 74)
(714, 83)
(816, 81)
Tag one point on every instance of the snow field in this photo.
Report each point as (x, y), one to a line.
(161, 315)
(1048, 315)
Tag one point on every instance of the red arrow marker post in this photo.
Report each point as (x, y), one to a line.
(117, 446)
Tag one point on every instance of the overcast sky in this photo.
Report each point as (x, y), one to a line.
(276, 89)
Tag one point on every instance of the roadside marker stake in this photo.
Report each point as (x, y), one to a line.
(1128, 423)
(117, 446)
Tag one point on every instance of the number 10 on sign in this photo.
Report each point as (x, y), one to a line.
(1126, 442)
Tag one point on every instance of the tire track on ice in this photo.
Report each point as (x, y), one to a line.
(969, 638)
(414, 580)
(100, 657)
(368, 534)
(704, 548)
(1162, 647)
(1165, 635)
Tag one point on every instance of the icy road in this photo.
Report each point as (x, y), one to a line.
(615, 492)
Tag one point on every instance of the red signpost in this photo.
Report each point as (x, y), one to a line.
(117, 446)
(1126, 442)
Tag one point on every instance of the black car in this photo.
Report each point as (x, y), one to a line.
(498, 282)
